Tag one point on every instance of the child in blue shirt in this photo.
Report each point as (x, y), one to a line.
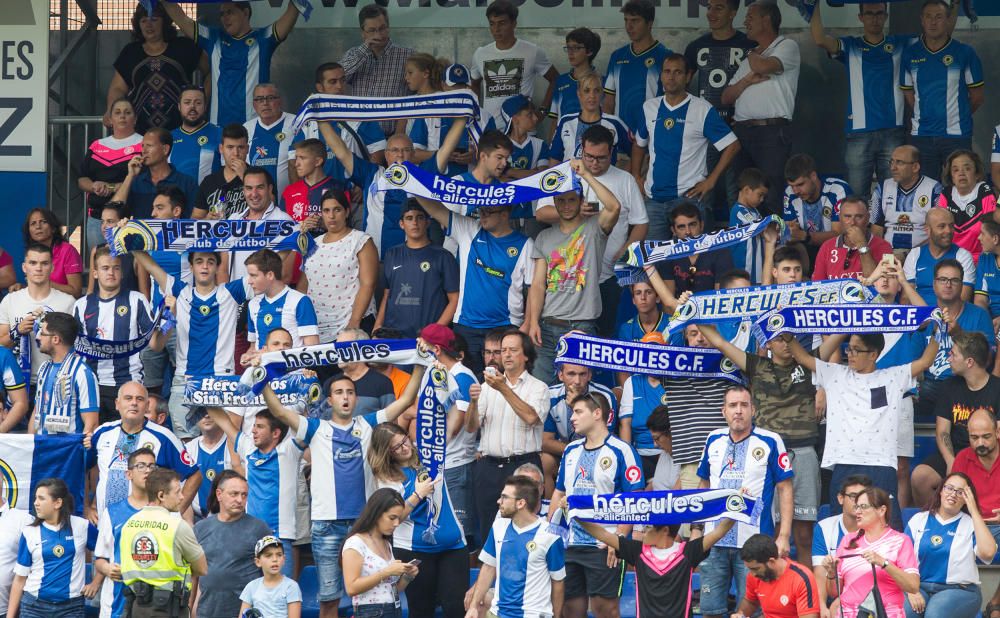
(274, 595)
(749, 256)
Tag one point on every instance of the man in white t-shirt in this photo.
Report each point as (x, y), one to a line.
(509, 65)
(763, 92)
(862, 411)
(597, 143)
(20, 310)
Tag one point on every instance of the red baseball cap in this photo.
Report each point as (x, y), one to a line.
(435, 334)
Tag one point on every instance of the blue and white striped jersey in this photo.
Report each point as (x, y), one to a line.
(206, 327)
(494, 273)
(567, 141)
(109, 534)
(558, 421)
(639, 399)
(820, 215)
(109, 451)
(290, 309)
(902, 212)
(526, 561)
(462, 448)
(918, 268)
(749, 255)
(273, 479)
(756, 463)
(677, 138)
(530, 154)
(939, 81)
(610, 468)
(65, 391)
(827, 534)
(339, 471)
(196, 153)
(10, 374)
(53, 560)
(874, 101)
(945, 548)
(269, 147)
(211, 461)
(633, 79)
(565, 99)
(238, 64)
(122, 317)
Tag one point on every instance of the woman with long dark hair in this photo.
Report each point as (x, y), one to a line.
(948, 538)
(430, 531)
(372, 575)
(877, 554)
(153, 69)
(49, 573)
(44, 227)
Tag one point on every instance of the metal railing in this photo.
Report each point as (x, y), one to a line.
(69, 137)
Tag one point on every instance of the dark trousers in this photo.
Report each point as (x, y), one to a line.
(935, 150)
(883, 477)
(437, 583)
(491, 473)
(475, 339)
(767, 148)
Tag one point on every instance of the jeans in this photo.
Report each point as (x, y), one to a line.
(868, 154)
(33, 607)
(934, 150)
(767, 148)
(882, 477)
(289, 569)
(378, 610)
(459, 482)
(179, 411)
(328, 537)
(947, 601)
(718, 570)
(544, 368)
(95, 237)
(660, 216)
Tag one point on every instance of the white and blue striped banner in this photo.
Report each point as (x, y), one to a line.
(206, 235)
(845, 319)
(735, 303)
(465, 197)
(629, 269)
(26, 459)
(452, 104)
(223, 392)
(665, 508)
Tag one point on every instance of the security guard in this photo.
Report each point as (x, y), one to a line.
(159, 552)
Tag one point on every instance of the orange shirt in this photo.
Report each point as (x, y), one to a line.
(399, 379)
(793, 594)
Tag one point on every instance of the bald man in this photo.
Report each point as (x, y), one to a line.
(939, 226)
(113, 442)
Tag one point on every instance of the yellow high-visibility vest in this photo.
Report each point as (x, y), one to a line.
(147, 549)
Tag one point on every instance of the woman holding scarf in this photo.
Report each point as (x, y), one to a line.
(877, 556)
(431, 533)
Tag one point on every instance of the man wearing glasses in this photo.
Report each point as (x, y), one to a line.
(597, 144)
(874, 124)
(829, 531)
(856, 251)
(270, 135)
(863, 409)
(900, 204)
(108, 456)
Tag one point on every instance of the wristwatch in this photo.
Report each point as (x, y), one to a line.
(885, 564)
(863, 250)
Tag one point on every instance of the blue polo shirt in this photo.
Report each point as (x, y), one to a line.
(142, 192)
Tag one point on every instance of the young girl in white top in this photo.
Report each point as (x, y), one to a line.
(372, 576)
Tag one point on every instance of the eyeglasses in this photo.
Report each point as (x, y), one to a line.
(400, 446)
(863, 507)
(266, 98)
(853, 496)
(573, 48)
(379, 30)
(593, 159)
(948, 280)
(951, 489)
(852, 350)
(506, 497)
(143, 466)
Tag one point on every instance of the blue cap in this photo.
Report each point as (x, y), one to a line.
(511, 107)
(456, 74)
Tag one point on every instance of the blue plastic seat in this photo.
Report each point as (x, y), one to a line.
(309, 585)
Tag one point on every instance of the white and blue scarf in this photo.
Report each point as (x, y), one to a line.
(95, 348)
(846, 319)
(736, 303)
(453, 104)
(435, 399)
(665, 508)
(205, 235)
(465, 197)
(222, 392)
(645, 358)
(629, 270)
